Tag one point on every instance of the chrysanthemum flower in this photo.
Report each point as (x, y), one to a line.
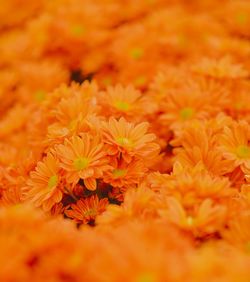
(199, 145)
(140, 203)
(39, 78)
(83, 158)
(13, 120)
(81, 101)
(87, 209)
(235, 16)
(84, 92)
(127, 124)
(191, 186)
(125, 175)
(195, 100)
(44, 188)
(207, 218)
(73, 114)
(223, 68)
(128, 140)
(127, 101)
(234, 143)
(239, 107)
(11, 185)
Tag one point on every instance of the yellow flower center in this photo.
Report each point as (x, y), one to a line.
(77, 30)
(123, 141)
(139, 81)
(107, 81)
(122, 106)
(81, 163)
(243, 152)
(136, 53)
(145, 277)
(190, 221)
(186, 113)
(119, 173)
(248, 247)
(241, 18)
(53, 180)
(239, 105)
(40, 95)
(90, 212)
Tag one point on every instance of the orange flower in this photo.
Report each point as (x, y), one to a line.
(235, 15)
(125, 175)
(73, 113)
(122, 99)
(206, 219)
(83, 158)
(44, 185)
(191, 186)
(127, 101)
(196, 99)
(199, 146)
(127, 140)
(80, 101)
(223, 68)
(140, 203)
(235, 143)
(86, 210)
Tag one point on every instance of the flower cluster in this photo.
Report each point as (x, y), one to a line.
(125, 140)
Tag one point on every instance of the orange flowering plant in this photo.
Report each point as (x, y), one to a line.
(125, 140)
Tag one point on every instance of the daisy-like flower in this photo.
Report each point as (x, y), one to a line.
(235, 15)
(80, 100)
(86, 210)
(235, 143)
(196, 99)
(199, 146)
(127, 101)
(223, 68)
(44, 187)
(83, 158)
(121, 100)
(128, 140)
(73, 114)
(192, 185)
(207, 218)
(125, 175)
(181, 107)
(140, 203)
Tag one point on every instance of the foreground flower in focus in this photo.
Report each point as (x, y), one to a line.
(83, 158)
(44, 185)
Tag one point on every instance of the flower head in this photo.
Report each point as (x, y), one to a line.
(235, 143)
(121, 100)
(124, 175)
(128, 140)
(43, 186)
(86, 210)
(83, 158)
(223, 68)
